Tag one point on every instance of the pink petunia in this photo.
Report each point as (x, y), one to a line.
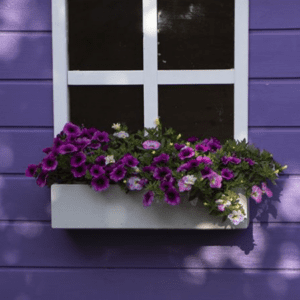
(266, 190)
(256, 194)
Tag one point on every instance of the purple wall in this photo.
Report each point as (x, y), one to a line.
(37, 262)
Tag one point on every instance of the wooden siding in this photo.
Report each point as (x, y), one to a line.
(262, 262)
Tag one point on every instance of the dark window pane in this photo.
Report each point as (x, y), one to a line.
(101, 106)
(105, 35)
(195, 34)
(198, 110)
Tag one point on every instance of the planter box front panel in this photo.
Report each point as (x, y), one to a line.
(79, 206)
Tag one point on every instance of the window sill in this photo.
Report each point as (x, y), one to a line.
(77, 206)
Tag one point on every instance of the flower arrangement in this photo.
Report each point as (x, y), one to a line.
(162, 163)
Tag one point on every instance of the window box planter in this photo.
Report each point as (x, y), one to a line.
(78, 206)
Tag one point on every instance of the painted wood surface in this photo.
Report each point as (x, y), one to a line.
(36, 244)
(20, 15)
(20, 147)
(27, 103)
(22, 199)
(271, 103)
(148, 284)
(28, 55)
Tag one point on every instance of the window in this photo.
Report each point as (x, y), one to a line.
(132, 61)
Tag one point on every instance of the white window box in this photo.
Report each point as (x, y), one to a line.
(79, 206)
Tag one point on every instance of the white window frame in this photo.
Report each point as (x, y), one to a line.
(150, 77)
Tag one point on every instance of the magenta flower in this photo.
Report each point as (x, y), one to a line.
(183, 167)
(118, 173)
(57, 142)
(96, 171)
(101, 136)
(266, 190)
(192, 164)
(49, 163)
(148, 169)
(178, 147)
(79, 171)
(172, 196)
(202, 147)
(129, 161)
(77, 159)
(225, 160)
(256, 194)
(165, 185)
(100, 160)
(31, 170)
(221, 207)
(148, 198)
(249, 161)
(192, 139)
(71, 129)
(206, 172)
(85, 133)
(47, 150)
(163, 158)
(215, 180)
(68, 148)
(214, 144)
(42, 178)
(235, 160)
(161, 173)
(151, 145)
(105, 147)
(134, 183)
(82, 143)
(100, 183)
(227, 174)
(184, 186)
(186, 152)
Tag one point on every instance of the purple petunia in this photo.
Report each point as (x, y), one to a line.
(68, 148)
(49, 163)
(249, 161)
(79, 171)
(129, 160)
(183, 167)
(101, 136)
(172, 196)
(192, 139)
(96, 171)
(165, 185)
(100, 160)
(235, 160)
(151, 145)
(266, 190)
(202, 147)
(204, 159)
(225, 160)
(100, 183)
(42, 178)
(214, 144)
(206, 172)
(256, 194)
(148, 198)
(77, 159)
(31, 170)
(71, 130)
(193, 163)
(161, 173)
(57, 142)
(47, 150)
(186, 152)
(178, 147)
(118, 173)
(227, 174)
(134, 183)
(215, 180)
(163, 158)
(82, 143)
(148, 169)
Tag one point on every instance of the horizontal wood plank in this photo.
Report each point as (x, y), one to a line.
(27, 103)
(274, 54)
(22, 199)
(34, 244)
(29, 55)
(20, 15)
(30, 103)
(283, 143)
(274, 102)
(21, 147)
(275, 14)
(49, 284)
(25, 55)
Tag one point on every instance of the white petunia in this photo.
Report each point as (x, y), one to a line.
(109, 159)
(121, 134)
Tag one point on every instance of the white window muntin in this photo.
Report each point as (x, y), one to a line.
(150, 77)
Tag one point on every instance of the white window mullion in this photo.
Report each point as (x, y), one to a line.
(150, 62)
(60, 65)
(241, 44)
